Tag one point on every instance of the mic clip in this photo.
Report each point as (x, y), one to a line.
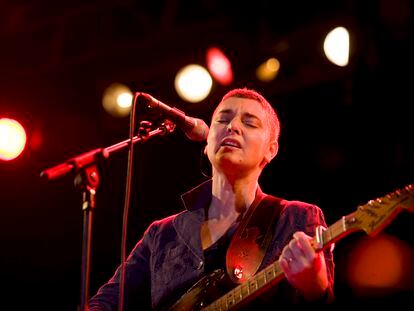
(145, 127)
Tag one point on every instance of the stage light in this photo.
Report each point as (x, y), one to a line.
(336, 46)
(124, 100)
(193, 83)
(12, 139)
(268, 70)
(117, 100)
(379, 265)
(219, 66)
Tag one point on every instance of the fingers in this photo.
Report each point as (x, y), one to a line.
(304, 268)
(285, 261)
(303, 241)
(290, 259)
(298, 254)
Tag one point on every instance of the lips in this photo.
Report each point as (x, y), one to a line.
(230, 142)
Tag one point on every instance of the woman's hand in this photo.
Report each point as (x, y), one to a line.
(304, 268)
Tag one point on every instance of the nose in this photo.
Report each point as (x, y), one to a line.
(234, 126)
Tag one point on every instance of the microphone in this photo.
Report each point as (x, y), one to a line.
(194, 128)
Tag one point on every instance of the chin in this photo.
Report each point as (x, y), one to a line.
(230, 164)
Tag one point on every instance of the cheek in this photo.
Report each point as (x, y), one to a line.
(209, 149)
(212, 140)
(259, 146)
(258, 141)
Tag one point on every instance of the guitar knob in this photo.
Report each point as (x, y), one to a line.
(200, 265)
(238, 272)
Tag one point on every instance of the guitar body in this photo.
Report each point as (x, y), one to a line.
(205, 291)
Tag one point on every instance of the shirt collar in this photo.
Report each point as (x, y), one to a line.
(198, 197)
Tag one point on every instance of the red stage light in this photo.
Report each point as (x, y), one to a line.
(219, 66)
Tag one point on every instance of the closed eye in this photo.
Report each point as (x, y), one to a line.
(251, 124)
(251, 120)
(222, 121)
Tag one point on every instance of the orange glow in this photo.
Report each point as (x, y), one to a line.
(379, 263)
(117, 100)
(268, 70)
(12, 139)
(219, 66)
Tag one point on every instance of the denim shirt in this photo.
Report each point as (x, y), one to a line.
(169, 257)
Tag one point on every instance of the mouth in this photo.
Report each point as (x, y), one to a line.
(230, 142)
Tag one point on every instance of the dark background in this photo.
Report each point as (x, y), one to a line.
(346, 132)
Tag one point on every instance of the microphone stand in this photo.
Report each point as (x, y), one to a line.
(87, 179)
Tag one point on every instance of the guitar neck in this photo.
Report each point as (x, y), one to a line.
(274, 273)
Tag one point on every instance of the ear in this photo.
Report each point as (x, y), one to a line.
(272, 151)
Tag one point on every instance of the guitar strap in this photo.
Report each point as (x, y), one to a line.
(252, 237)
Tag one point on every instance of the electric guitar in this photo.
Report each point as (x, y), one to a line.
(371, 217)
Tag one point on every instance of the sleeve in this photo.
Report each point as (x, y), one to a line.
(297, 216)
(314, 218)
(137, 279)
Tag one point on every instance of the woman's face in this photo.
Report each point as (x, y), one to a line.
(239, 137)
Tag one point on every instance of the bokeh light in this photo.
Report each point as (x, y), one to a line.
(268, 70)
(12, 139)
(336, 46)
(219, 66)
(193, 83)
(379, 265)
(117, 100)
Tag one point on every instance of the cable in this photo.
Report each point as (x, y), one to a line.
(127, 204)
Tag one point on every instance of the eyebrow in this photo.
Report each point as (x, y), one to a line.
(225, 111)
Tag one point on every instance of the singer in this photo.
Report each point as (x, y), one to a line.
(193, 259)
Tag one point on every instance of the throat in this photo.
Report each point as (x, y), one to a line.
(212, 230)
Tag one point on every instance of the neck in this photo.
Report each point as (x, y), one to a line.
(232, 196)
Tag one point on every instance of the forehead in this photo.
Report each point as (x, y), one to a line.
(241, 105)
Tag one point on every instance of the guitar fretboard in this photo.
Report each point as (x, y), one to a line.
(247, 289)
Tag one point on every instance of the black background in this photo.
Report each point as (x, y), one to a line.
(346, 132)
